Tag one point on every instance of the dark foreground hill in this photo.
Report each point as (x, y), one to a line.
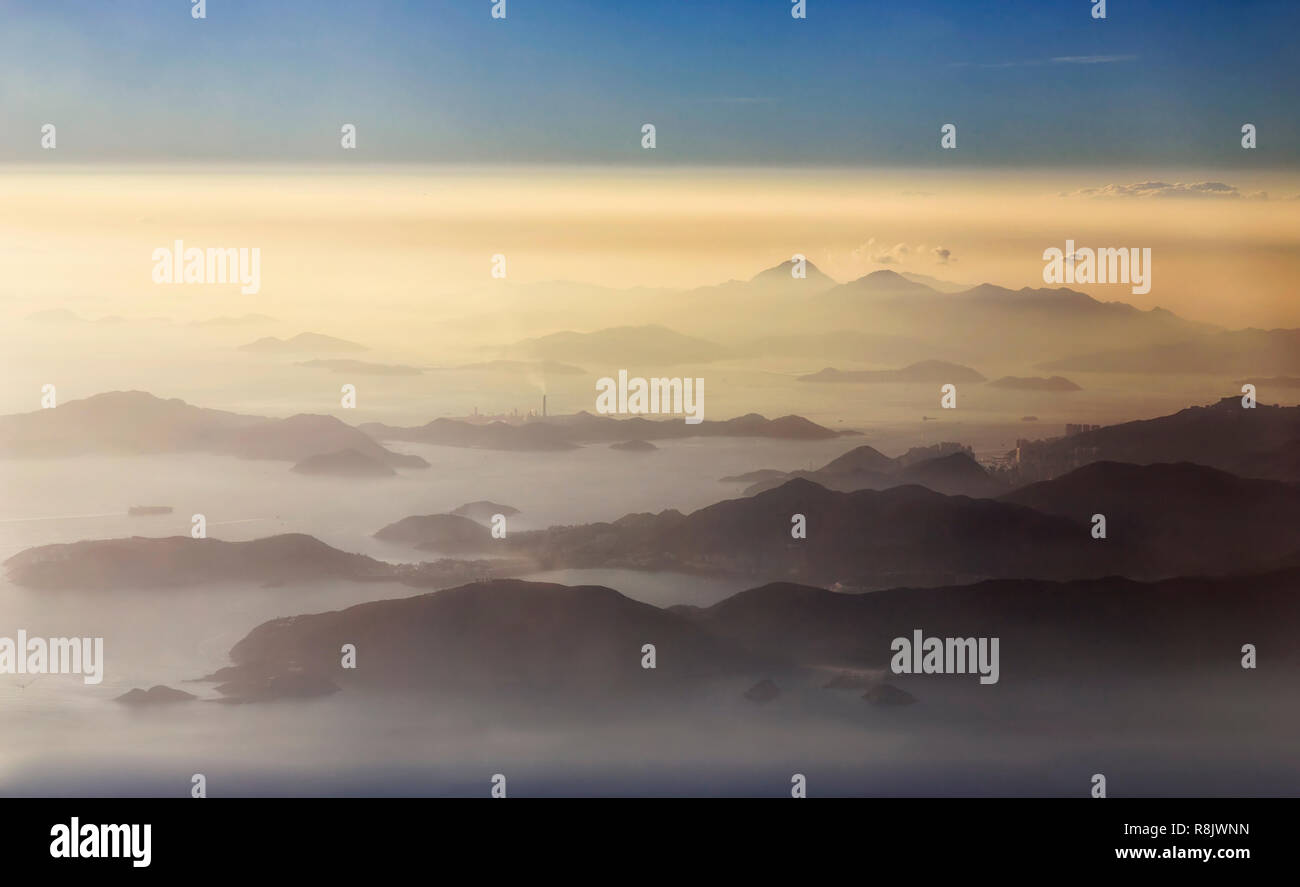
(1161, 521)
(1258, 442)
(1199, 519)
(947, 468)
(869, 538)
(504, 636)
(500, 639)
(1074, 628)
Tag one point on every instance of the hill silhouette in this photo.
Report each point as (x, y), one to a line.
(935, 371)
(303, 342)
(449, 533)
(1224, 435)
(868, 538)
(1202, 519)
(504, 636)
(510, 639)
(567, 432)
(136, 422)
(953, 471)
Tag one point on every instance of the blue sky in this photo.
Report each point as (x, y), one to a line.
(728, 82)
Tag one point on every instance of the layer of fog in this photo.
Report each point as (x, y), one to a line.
(64, 737)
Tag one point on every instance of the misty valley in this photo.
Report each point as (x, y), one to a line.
(541, 605)
(941, 527)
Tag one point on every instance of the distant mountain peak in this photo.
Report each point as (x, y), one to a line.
(883, 274)
(885, 282)
(783, 272)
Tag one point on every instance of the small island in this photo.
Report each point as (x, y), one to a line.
(634, 446)
(156, 695)
(1035, 383)
(344, 463)
(449, 533)
(926, 371)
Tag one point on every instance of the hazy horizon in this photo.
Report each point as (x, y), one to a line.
(416, 237)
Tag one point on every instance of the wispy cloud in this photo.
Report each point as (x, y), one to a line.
(882, 253)
(735, 99)
(1091, 59)
(1055, 60)
(1167, 189)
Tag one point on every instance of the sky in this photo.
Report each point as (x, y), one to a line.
(732, 82)
(522, 136)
